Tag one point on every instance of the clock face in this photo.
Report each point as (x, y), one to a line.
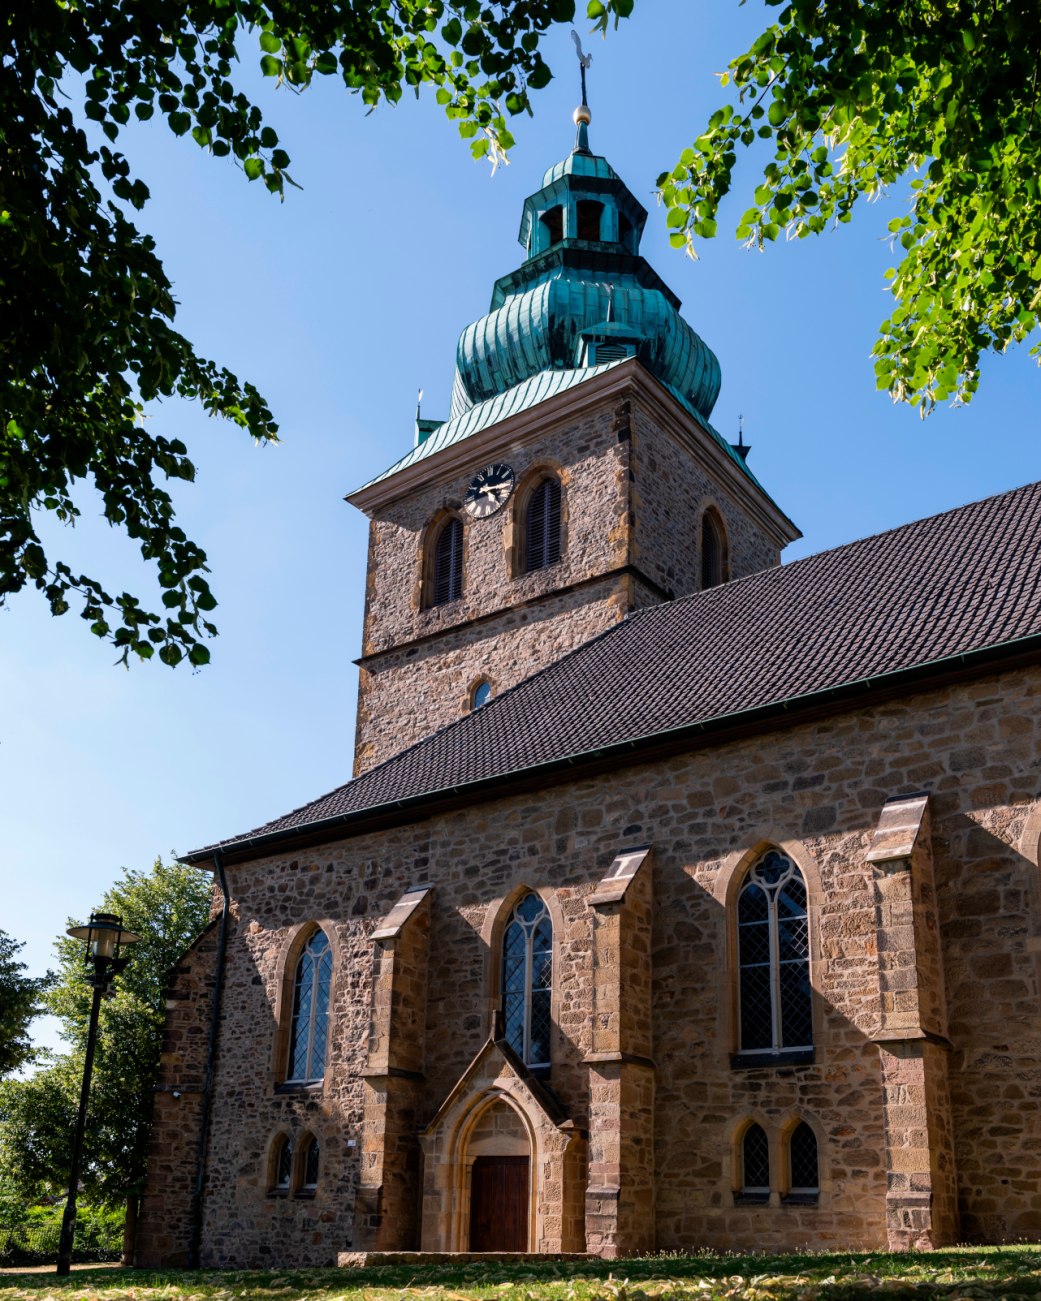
(489, 490)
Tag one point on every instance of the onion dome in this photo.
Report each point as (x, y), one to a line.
(583, 295)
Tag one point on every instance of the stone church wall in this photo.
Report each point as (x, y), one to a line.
(816, 791)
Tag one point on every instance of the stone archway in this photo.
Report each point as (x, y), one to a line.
(496, 1164)
(500, 1146)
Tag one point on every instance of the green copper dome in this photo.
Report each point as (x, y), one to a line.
(583, 296)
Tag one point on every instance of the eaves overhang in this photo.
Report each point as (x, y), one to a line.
(700, 734)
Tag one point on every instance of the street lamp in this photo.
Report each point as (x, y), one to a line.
(105, 938)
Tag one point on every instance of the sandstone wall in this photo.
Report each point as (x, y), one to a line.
(632, 500)
(816, 791)
(671, 491)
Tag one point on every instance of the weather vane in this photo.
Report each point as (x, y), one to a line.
(584, 60)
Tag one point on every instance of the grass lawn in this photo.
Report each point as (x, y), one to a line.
(959, 1274)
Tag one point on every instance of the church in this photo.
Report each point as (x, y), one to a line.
(680, 898)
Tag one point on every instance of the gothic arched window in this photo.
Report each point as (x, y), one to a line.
(755, 1164)
(527, 981)
(282, 1165)
(713, 551)
(309, 1165)
(803, 1165)
(774, 958)
(447, 564)
(542, 526)
(314, 973)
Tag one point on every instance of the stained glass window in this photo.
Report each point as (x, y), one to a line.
(755, 1163)
(314, 973)
(542, 526)
(448, 563)
(774, 958)
(803, 1169)
(527, 981)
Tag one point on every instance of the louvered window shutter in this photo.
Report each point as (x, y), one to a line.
(448, 563)
(542, 527)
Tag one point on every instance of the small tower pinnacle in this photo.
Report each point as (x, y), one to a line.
(582, 116)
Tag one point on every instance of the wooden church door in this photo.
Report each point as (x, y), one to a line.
(499, 1203)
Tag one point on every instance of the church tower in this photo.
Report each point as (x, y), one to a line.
(577, 478)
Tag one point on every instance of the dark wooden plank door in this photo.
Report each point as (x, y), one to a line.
(499, 1203)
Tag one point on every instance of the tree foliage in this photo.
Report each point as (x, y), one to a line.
(19, 1003)
(168, 906)
(86, 310)
(856, 95)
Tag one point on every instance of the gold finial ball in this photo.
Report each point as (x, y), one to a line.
(582, 114)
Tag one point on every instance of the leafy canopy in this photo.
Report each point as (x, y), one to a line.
(855, 95)
(19, 1003)
(168, 907)
(86, 310)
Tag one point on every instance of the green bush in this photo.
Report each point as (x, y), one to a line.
(31, 1236)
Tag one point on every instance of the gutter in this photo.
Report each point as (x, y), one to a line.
(779, 713)
(211, 1056)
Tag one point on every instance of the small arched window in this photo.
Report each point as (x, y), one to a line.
(480, 694)
(282, 1165)
(774, 958)
(713, 552)
(542, 526)
(553, 226)
(527, 981)
(314, 973)
(447, 563)
(309, 1165)
(626, 233)
(589, 213)
(755, 1164)
(803, 1164)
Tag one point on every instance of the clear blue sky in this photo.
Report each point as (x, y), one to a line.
(340, 303)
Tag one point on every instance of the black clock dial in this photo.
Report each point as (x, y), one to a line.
(489, 490)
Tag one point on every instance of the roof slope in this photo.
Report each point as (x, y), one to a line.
(942, 587)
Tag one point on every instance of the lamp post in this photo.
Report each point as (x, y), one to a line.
(105, 938)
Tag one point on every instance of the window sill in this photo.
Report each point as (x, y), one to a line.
(760, 1061)
(299, 1086)
(751, 1199)
(304, 1194)
(800, 1199)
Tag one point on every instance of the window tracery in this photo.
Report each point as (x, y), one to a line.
(775, 1013)
(527, 981)
(310, 1019)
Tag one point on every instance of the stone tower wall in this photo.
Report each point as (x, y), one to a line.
(632, 498)
(816, 791)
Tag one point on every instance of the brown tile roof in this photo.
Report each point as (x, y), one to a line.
(967, 582)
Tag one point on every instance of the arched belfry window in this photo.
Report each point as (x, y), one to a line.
(713, 551)
(590, 214)
(542, 526)
(774, 958)
(447, 563)
(755, 1164)
(553, 226)
(307, 1040)
(527, 981)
